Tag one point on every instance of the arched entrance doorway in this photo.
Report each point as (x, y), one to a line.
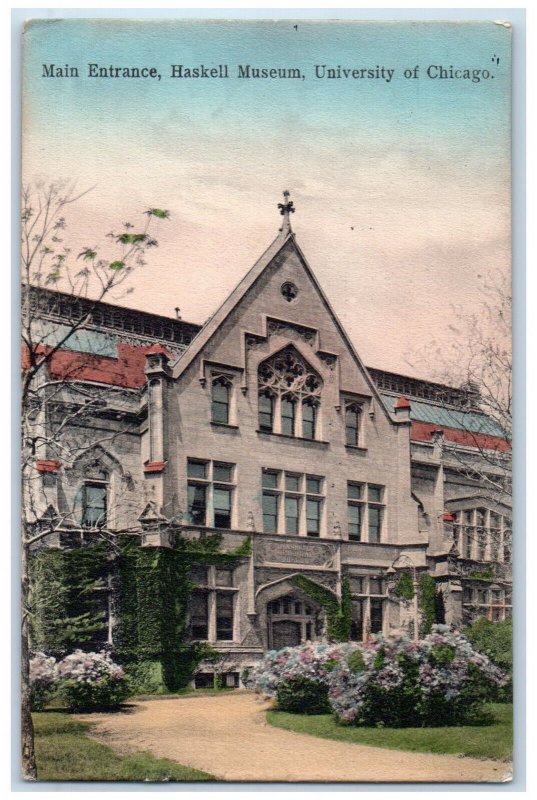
(291, 621)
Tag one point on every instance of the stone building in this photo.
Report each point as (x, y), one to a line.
(265, 426)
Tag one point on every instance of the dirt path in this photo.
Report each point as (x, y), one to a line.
(227, 735)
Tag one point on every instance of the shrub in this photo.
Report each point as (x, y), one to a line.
(303, 696)
(43, 678)
(312, 661)
(91, 681)
(495, 640)
(355, 661)
(440, 680)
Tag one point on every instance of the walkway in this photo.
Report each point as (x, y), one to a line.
(227, 736)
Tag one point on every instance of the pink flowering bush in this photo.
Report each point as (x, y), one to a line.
(312, 661)
(440, 680)
(43, 679)
(91, 680)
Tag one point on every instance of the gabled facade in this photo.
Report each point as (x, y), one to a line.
(266, 428)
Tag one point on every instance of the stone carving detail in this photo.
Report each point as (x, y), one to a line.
(318, 554)
(290, 331)
(250, 524)
(328, 360)
(288, 373)
(252, 342)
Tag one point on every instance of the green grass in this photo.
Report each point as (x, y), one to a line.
(479, 741)
(65, 753)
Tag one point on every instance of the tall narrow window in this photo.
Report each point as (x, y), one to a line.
(224, 615)
(270, 513)
(270, 481)
(288, 416)
(197, 504)
(199, 615)
(357, 624)
(221, 393)
(375, 524)
(352, 425)
(222, 507)
(355, 506)
(309, 419)
(377, 609)
(355, 523)
(94, 504)
(313, 517)
(291, 514)
(266, 412)
(375, 512)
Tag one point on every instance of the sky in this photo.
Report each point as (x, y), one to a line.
(401, 187)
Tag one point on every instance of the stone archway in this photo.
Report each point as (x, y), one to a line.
(287, 616)
(291, 621)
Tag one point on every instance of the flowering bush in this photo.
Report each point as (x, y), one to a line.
(91, 680)
(393, 681)
(43, 677)
(312, 661)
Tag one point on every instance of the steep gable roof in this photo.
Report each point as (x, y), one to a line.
(215, 321)
(284, 239)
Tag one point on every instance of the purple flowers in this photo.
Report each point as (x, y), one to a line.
(394, 681)
(85, 680)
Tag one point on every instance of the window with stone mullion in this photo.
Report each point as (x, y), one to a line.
(288, 396)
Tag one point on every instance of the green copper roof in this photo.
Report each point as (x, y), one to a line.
(81, 341)
(448, 417)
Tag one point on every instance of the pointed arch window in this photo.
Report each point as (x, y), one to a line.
(353, 415)
(309, 418)
(95, 499)
(289, 395)
(266, 411)
(288, 415)
(221, 400)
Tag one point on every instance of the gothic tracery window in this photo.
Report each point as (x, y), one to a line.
(289, 395)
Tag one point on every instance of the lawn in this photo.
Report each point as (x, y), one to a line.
(483, 741)
(65, 753)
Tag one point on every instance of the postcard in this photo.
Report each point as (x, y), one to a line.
(266, 401)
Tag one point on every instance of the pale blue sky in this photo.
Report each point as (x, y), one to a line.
(402, 188)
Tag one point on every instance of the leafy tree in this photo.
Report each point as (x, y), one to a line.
(56, 403)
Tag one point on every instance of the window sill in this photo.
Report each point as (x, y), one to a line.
(363, 541)
(290, 438)
(355, 447)
(225, 425)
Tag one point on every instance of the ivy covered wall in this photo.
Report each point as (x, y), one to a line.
(149, 589)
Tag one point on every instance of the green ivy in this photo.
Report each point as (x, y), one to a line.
(356, 661)
(427, 601)
(151, 591)
(67, 601)
(405, 587)
(486, 575)
(338, 614)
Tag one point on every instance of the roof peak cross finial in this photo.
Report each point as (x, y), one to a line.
(286, 209)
